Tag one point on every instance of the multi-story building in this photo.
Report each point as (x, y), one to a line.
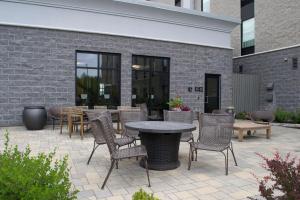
(266, 44)
(111, 52)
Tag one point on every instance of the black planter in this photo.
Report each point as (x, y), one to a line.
(34, 117)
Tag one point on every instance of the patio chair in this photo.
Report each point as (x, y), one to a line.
(119, 154)
(215, 135)
(131, 115)
(128, 108)
(55, 115)
(98, 135)
(144, 109)
(184, 117)
(77, 118)
(100, 107)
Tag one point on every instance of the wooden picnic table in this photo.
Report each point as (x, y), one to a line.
(242, 126)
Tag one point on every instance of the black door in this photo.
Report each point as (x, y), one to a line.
(150, 83)
(212, 92)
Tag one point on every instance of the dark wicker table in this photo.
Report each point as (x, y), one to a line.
(161, 139)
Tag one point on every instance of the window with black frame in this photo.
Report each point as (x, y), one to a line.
(98, 79)
(247, 27)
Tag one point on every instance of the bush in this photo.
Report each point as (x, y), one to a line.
(296, 117)
(283, 116)
(33, 177)
(283, 179)
(142, 195)
(242, 115)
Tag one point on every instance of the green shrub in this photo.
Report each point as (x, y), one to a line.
(296, 117)
(26, 177)
(283, 116)
(241, 115)
(142, 195)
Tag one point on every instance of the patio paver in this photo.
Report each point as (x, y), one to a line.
(206, 179)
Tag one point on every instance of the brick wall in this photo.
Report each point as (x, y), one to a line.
(275, 67)
(37, 66)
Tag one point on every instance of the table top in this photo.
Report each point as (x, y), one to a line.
(249, 125)
(160, 126)
(102, 110)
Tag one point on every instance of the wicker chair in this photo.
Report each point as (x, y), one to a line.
(128, 108)
(215, 135)
(55, 115)
(130, 116)
(184, 117)
(118, 154)
(98, 135)
(100, 107)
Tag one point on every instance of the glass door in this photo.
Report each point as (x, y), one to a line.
(150, 83)
(212, 93)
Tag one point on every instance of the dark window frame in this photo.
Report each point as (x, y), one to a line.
(244, 17)
(150, 71)
(99, 68)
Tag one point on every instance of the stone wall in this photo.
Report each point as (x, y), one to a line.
(275, 67)
(277, 24)
(37, 66)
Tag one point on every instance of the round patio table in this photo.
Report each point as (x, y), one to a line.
(161, 139)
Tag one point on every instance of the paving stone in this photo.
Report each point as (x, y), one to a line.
(205, 180)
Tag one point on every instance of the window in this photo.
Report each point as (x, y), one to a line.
(178, 3)
(247, 27)
(98, 79)
(205, 5)
(248, 33)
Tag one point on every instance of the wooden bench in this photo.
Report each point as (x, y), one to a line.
(242, 126)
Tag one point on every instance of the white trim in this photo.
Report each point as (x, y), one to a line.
(181, 10)
(80, 31)
(269, 51)
(118, 17)
(68, 7)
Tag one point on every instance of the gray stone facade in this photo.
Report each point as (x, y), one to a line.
(275, 67)
(37, 66)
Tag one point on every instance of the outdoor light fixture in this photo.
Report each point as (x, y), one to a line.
(136, 66)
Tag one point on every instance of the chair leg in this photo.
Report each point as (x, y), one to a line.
(53, 124)
(61, 125)
(94, 148)
(190, 157)
(226, 162)
(231, 149)
(109, 172)
(147, 170)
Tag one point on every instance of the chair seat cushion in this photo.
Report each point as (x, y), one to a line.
(130, 152)
(209, 147)
(124, 141)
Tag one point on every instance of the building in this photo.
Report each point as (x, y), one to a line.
(266, 44)
(111, 52)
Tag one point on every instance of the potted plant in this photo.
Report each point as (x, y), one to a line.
(176, 104)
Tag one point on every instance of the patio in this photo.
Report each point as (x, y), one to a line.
(206, 179)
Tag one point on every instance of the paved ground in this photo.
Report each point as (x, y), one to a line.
(205, 180)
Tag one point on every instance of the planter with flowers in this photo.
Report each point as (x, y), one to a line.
(176, 104)
(178, 111)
